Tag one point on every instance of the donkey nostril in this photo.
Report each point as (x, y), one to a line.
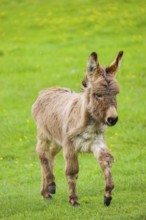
(112, 121)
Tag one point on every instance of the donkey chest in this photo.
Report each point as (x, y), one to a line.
(84, 141)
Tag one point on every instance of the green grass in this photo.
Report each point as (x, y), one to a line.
(45, 44)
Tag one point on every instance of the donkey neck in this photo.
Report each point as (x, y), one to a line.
(84, 120)
(88, 119)
(96, 126)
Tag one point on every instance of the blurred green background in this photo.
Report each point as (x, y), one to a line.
(46, 44)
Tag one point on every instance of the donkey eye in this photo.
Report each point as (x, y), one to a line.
(98, 96)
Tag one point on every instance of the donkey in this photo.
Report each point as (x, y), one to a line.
(76, 122)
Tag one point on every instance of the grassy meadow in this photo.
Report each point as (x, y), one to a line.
(46, 44)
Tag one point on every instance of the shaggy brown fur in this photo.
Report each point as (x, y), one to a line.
(76, 122)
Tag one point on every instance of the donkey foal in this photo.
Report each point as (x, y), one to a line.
(76, 122)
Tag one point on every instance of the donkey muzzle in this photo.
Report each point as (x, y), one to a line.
(111, 121)
(111, 116)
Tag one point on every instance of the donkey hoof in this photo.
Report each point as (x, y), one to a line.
(76, 204)
(107, 200)
(52, 188)
(49, 197)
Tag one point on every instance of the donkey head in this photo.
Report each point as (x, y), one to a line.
(101, 89)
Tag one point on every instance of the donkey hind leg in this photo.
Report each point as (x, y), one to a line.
(105, 161)
(53, 150)
(48, 179)
(72, 169)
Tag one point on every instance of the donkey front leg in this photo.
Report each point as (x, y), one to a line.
(71, 171)
(105, 161)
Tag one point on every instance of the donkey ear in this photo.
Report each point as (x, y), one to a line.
(113, 68)
(92, 66)
(92, 69)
